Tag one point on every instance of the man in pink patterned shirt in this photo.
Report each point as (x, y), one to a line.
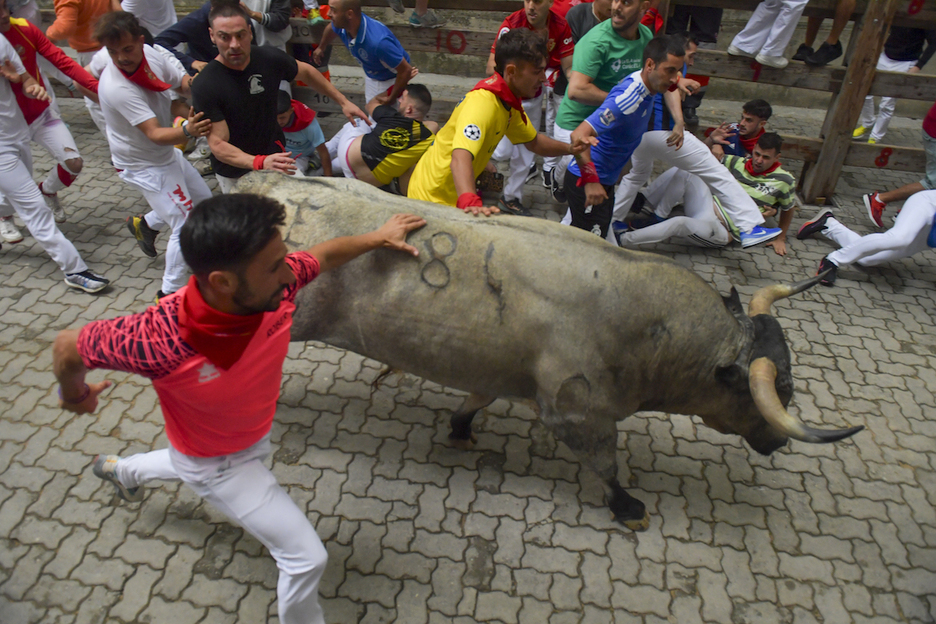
(214, 350)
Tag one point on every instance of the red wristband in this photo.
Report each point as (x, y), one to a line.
(258, 162)
(589, 175)
(467, 200)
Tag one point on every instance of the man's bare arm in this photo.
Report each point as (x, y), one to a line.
(583, 90)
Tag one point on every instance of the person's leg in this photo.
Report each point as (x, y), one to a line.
(867, 113)
(241, 487)
(552, 107)
(839, 234)
(782, 28)
(561, 134)
(907, 237)
(752, 37)
(667, 191)
(886, 110)
(681, 231)
(813, 24)
(142, 468)
(172, 203)
(641, 169)
(521, 159)
(49, 131)
(843, 13)
(17, 188)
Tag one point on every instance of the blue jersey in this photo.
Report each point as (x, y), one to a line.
(620, 123)
(734, 147)
(304, 142)
(375, 47)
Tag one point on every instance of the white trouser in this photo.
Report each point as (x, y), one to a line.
(373, 88)
(521, 159)
(770, 28)
(345, 138)
(94, 109)
(171, 191)
(19, 193)
(693, 157)
(552, 107)
(242, 488)
(559, 169)
(700, 226)
(907, 237)
(49, 131)
(886, 110)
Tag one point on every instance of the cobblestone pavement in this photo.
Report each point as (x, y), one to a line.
(514, 531)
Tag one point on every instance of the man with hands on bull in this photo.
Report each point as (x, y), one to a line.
(214, 351)
(447, 172)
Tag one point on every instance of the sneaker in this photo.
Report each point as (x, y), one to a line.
(619, 228)
(802, 52)
(827, 265)
(817, 224)
(872, 141)
(556, 190)
(758, 235)
(396, 5)
(52, 199)
(144, 235)
(875, 208)
(777, 62)
(199, 153)
(859, 132)
(204, 169)
(513, 207)
(8, 231)
(531, 173)
(547, 178)
(428, 20)
(160, 294)
(105, 467)
(825, 54)
(735, 51)
(639, 202)
(87, 281)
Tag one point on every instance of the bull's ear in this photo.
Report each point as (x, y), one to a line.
(733, 303)
(732, 376)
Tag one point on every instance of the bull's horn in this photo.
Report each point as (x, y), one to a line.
(762, 376)
(764, 298)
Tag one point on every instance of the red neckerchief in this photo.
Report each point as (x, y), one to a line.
(749, 167)
(302, 117)
(220, 337)
(498, 86)
(144, 77)
(748, 144)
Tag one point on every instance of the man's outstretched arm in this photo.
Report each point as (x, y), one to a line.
(333, 253)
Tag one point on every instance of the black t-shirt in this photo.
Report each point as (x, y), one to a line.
(581, 19)
(246, 100)
(392, 133)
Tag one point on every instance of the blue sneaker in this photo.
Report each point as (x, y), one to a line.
(758, 235)
(618, 228)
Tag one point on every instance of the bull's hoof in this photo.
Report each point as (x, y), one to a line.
(636, 525)
(465, 444)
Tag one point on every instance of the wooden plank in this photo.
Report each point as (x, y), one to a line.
(501, 6)
(800, 75)
(846, 105)
(910, 14)
(904, 86)
(435, 40)
(888, 157)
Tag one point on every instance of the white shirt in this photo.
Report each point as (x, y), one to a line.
(155, 15)
(13, 130)
(126, 105)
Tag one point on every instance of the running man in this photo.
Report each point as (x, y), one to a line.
(214, 351)
(136, 97)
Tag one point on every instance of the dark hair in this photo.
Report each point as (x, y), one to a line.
(283, 102)
(518, 45)
(227, 9)
(686, 38)
(662, 46)
(112, 26)
(421, 96)
(225, 232)
(770, 141)
(758, 108)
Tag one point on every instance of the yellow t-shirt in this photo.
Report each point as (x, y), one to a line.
(477, 124)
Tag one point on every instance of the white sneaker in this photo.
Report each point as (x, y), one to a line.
(777, 62)
(735, 51)
(58, 211)
(8, 231)
(199, 153)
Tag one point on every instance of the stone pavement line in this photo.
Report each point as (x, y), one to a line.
(513, 531)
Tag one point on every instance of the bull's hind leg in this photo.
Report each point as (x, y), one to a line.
(593, 439)
(461, 435)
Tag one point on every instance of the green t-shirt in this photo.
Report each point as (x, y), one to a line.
(606, 58)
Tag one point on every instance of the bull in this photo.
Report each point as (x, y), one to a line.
(527, 309)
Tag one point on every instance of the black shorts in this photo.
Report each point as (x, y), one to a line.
(595, 219)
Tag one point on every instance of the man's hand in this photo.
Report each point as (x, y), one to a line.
(722, 133)
(487, 211)
(257, 17)
(318, 55)
(913, 70)
(767, 211)
(688, 86)
(676, 136)
(718, 152)
(351, 110)
(36, 92)
(198, 65)
(395, 230)
(779, 245)
(595, 194)
(90, 402)
(581, 143)
(8, 71)
(197, 126)
(281, 161)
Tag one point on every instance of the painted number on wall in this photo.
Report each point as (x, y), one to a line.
(454, 41)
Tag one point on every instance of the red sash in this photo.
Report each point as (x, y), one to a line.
(144, 77)
(749, 167)
(498, 86)
(748, 144)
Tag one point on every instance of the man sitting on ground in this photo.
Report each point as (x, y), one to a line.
(739, 138)
(447, 172)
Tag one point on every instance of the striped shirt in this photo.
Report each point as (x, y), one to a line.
(773, 189)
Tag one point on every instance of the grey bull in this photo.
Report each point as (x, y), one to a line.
(523, 308)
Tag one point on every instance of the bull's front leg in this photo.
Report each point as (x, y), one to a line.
(461, 434)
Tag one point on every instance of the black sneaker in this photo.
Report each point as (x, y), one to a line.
(831, 267)
(531, 173)
(639, 201)
(87, 281)
(816, 225)
(690, 117)
(803, 52)
(144, 235)
(824, 55)
(556, 190)
(547, 178)
(513, 207)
